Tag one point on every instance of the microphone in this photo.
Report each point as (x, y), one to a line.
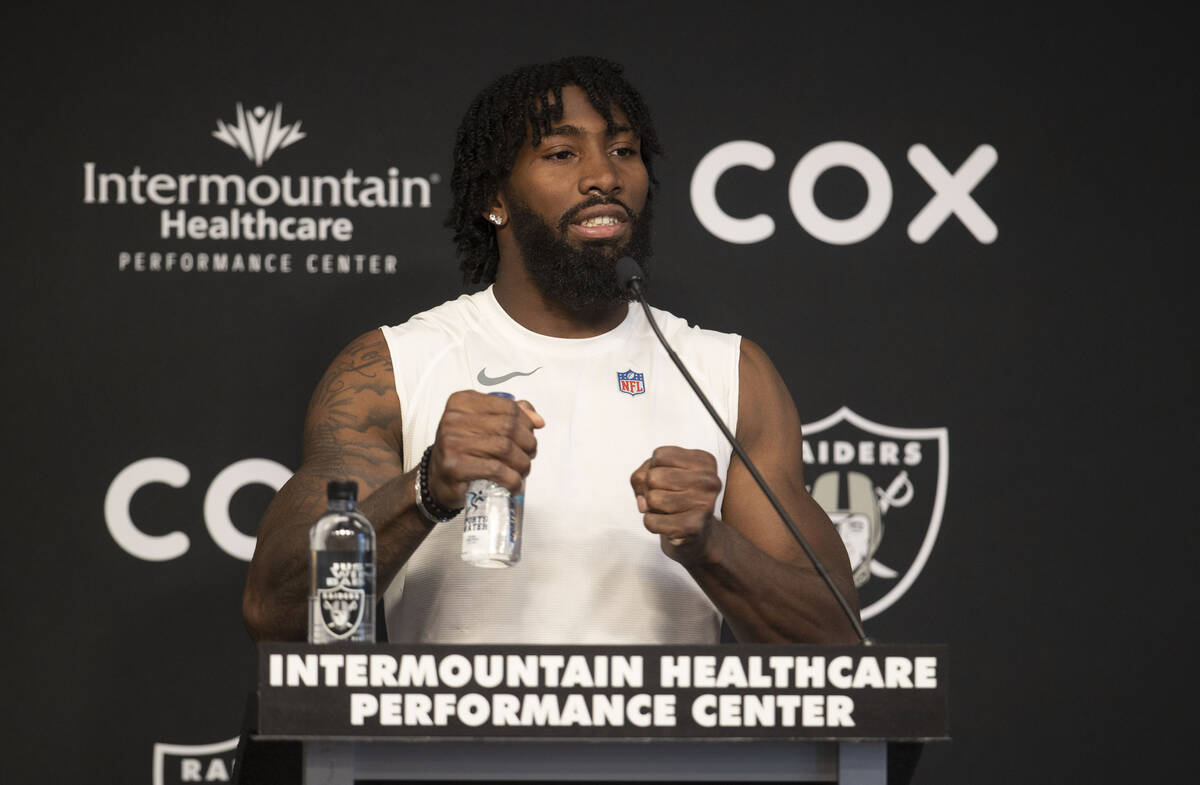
(630, 275)
(632, 279)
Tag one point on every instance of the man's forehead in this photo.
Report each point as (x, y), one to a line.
(616, 127)
(576, 117)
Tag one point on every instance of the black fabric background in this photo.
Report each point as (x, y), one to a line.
(1057, 357)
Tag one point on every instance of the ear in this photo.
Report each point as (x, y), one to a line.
(496, 214)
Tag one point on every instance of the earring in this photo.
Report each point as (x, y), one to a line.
(496, 219)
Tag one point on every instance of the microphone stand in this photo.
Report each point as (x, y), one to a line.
(632, 279)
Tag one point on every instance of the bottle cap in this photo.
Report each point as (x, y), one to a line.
(342, 489)
(509, 396)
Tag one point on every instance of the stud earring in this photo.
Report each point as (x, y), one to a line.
(496, 219)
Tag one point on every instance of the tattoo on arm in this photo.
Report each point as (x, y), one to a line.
(353, 414)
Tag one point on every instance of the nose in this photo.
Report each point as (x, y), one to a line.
(600, 174)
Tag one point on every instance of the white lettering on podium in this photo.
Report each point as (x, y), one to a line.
(362, 705)
(926, 677)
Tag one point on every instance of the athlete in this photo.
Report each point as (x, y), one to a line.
(639, 525)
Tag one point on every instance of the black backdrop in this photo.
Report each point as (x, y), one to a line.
(1055, 358)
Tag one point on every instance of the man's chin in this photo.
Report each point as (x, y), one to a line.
(608, 246)
(578, 273)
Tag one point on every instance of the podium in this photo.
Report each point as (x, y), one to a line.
(745, 713)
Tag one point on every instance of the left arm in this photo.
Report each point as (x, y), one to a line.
(746, 561)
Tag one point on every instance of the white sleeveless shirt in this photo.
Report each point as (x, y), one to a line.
(590, 572)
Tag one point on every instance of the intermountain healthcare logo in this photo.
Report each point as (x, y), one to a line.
(267, 216)
(884, 488)
(179, 763)
(260, 134)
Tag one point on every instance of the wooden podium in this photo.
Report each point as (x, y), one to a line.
(599, 713)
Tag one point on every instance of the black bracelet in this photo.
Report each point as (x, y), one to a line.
(428, 505)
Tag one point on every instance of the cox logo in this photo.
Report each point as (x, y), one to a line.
(951, 193)
(216, 505)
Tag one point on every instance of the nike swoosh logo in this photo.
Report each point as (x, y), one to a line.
(490, 381)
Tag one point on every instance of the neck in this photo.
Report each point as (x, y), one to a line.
(526, 304)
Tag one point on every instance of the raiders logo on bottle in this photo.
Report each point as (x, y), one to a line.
(342, 600)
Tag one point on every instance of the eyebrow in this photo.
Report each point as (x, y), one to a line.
(574, 130)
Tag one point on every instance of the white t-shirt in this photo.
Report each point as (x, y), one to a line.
(590, 572)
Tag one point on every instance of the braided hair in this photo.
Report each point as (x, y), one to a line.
(495, 127)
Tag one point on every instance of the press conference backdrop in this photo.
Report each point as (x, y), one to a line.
(960, 235)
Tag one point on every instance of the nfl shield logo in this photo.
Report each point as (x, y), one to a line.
(631, 382)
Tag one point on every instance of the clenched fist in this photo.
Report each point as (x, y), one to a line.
(481, 437)
(676, 492)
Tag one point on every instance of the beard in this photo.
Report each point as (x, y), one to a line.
(582, 278)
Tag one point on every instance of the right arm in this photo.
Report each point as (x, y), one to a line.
(353, 432)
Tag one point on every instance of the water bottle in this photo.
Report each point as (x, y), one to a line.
(341, 600)
(492, 522)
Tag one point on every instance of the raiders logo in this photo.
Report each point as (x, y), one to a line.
(179, 763)
(884, 488)
(341, 610)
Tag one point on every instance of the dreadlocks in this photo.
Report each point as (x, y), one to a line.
(496, 126)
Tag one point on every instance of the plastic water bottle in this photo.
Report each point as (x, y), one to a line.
(341, 600)
(492, 522)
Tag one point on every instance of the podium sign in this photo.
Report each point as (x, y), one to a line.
(391, 691)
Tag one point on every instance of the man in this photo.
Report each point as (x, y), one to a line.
(639, 527)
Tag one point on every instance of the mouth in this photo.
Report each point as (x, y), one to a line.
(602, 222)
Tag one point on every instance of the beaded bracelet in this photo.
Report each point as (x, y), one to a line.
(429, 507)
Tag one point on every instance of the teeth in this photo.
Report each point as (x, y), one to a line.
(604, 220)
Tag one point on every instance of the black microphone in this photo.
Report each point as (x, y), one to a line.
(631, 278)
(630, 275)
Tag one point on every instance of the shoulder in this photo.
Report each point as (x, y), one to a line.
(673, 325)
(756, 367)
(453, 316)
(364, 362)
(357, 391)
(363, 365)
(713, 351)
(424, 336)
(765, 404)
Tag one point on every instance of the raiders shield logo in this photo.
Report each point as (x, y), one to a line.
(341, 609)
(179, 763)
(884, 488)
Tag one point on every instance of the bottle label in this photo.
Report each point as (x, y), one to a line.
(341, 593)
(491, 525)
